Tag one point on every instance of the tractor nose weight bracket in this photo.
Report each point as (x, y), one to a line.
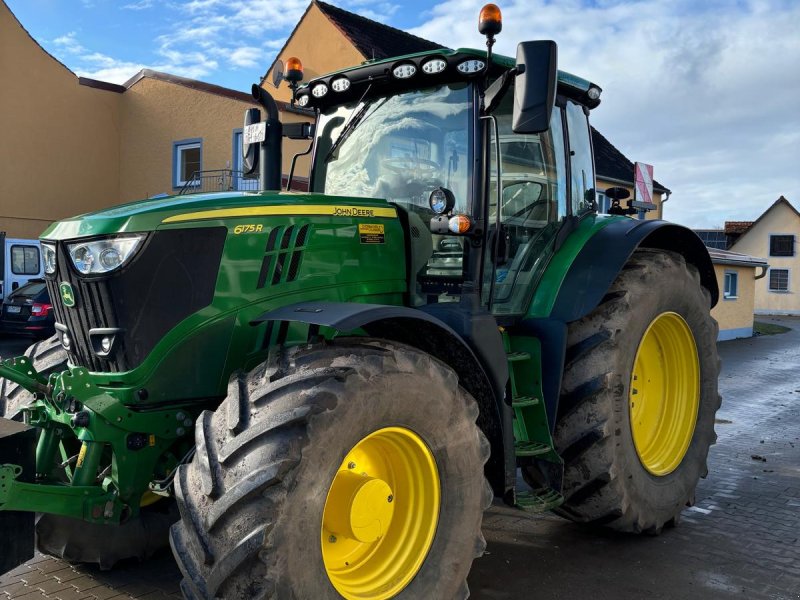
(18, 451)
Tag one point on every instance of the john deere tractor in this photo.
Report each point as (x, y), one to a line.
(317, 395)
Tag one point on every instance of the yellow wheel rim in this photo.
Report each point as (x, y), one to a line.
(664, 393)
(380, 514)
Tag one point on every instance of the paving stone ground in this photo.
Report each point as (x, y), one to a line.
(740, 540)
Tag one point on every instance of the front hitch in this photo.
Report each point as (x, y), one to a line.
(17, 463)
(21, 371)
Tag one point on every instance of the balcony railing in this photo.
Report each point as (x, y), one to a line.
(220, 180)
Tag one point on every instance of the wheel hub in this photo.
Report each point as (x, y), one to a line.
(664, 393)
(361, 507)
(380, 514)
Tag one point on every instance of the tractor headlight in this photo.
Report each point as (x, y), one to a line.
(49, 255)
(102, 256)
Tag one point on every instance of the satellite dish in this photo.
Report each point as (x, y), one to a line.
(277, 73)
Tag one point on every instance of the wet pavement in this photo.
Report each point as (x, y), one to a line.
(740, 540)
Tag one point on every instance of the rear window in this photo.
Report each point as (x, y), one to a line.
(29, 290)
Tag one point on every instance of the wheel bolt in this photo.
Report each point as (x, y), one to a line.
(351, 465)
(332, 539)
(390, 498)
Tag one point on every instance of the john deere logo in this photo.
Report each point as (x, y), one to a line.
(67, 295)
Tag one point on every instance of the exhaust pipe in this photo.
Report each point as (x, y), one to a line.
(270, 159)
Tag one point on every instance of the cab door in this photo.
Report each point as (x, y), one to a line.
(533, 204)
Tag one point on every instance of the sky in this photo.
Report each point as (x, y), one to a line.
(706, 91)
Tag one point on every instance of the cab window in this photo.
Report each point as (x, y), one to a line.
(533, 200)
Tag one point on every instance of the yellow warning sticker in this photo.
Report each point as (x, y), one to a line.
(81, 455)
(371, 233)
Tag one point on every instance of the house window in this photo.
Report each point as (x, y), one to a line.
(187, 159)
(781, 245)
(25, 260)
(731, 285)
(603, 203)
(779, 280)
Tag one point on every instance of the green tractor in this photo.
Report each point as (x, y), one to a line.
(317, 395)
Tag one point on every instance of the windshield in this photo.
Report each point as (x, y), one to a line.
(399, 147)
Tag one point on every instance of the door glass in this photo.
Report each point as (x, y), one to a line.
(581, 164)
(533, 202)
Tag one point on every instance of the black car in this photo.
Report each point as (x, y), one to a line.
(27, 311)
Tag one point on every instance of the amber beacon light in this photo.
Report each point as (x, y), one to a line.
(294, 70)
(490, 21)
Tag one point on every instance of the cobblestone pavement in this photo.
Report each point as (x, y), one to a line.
(740, 540)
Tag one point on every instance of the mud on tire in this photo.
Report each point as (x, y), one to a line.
(605, 483)
(252, 500)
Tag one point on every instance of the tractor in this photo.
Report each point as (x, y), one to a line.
(317, 394)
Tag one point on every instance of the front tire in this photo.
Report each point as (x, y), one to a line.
(263, 514)
(639, 395)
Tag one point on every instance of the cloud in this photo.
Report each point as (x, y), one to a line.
(69, 44)
(141, 5)
(707, 93)
(97, 65)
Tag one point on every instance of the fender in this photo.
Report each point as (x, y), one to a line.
(435, 337)
(588, 279)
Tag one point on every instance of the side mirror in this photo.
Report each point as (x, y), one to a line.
(535, 86)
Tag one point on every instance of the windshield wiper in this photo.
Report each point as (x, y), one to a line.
(355, 118)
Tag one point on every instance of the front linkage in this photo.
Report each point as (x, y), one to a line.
(96, 458)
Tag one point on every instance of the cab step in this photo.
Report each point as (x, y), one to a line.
(539, 500)
(524, 402)
(530, 448)
(517, 356)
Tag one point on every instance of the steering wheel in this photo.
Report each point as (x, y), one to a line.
(420, 167)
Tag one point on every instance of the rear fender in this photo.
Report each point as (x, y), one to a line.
(604, 255)
(589, 277)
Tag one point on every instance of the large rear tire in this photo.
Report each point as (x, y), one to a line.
(639, 395)
(72, 539)
(352, 469)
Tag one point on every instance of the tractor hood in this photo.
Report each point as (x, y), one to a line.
(149, 215)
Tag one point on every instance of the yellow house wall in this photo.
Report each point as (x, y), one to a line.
(779, 220)
(320, 46)
(157, 113)
(59, 141)
(735, 315)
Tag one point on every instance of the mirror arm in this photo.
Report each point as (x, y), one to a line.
(294, 162)
(494, 93)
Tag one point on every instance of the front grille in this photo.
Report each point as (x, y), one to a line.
(171, 277)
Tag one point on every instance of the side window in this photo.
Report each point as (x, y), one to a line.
(533, 200)
(582, 166)
(187, 159)
(25, 260)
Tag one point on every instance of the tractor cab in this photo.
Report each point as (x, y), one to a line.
(434, 133)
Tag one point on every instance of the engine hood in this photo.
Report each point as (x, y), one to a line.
(149, 215)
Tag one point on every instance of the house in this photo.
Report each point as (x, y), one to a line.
(98, 144)
(72, 144)
(737, 277)
(774, 235)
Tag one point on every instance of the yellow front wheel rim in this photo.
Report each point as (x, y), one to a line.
(664, 393)
(380, 514)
